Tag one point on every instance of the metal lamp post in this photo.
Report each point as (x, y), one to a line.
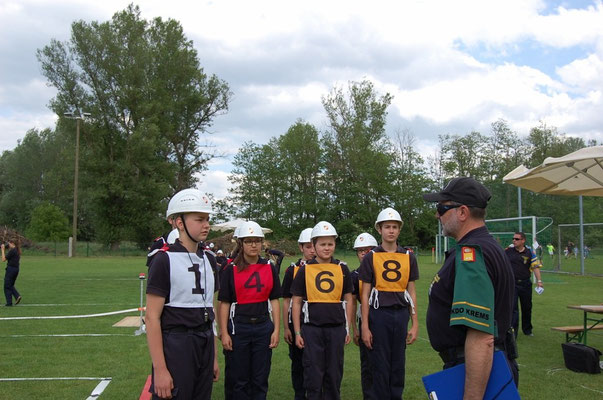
(78, 117)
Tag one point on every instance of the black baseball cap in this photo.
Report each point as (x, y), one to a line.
(464, 190)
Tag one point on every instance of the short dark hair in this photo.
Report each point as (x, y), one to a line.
(521, 234)
(477, 213)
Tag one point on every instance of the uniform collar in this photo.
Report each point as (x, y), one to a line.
(481, 231)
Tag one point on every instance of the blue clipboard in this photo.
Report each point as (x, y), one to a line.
(449, 384)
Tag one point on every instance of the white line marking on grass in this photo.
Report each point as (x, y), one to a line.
(96, 392)
(594, 390)
(67, 335)
(74, 316)
(104, 279)
(58, 304)
(77, 378)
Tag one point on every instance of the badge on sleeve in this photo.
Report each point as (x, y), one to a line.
(468, 254)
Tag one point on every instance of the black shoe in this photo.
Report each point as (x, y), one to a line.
(8, 305)
(529, 334)
(18, 300)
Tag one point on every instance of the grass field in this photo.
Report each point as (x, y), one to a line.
(61, 286)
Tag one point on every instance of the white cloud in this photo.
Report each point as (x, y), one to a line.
(216, 183)
(583, 75)
(281, 57)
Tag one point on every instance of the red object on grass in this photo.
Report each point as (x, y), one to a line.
(141, 275)
(145, 394)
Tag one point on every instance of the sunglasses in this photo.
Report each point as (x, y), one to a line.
(518, 238)
(444, 208)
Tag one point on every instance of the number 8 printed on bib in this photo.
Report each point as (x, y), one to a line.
(391, 271)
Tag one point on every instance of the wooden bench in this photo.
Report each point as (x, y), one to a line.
(575, 332)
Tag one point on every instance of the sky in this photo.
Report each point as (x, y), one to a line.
(452, 67)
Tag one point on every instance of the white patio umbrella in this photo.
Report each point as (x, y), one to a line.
(576, 174)
(234, 224)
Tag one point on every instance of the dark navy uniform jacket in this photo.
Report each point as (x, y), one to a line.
(443, 336)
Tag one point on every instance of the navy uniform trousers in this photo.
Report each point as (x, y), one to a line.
(248, 364)
(297, 369)
(389, 326)
(189, 356)
(323, 361)
(523, 295)
(366, 375)
(10, 278)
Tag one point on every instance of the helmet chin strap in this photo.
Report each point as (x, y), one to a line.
(186, 229)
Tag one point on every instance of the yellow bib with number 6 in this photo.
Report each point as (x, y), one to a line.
(324, 283)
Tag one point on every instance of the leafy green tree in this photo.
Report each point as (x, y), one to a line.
(48, 223)
(22, 176)
(150, 103)
(300, 156)
(408, 181)
(464, 155)
(246, 180)
(357, 153)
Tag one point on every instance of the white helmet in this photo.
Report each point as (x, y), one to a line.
(365, 240)
(188, 200)
(250, 229)
(388, 214)
(211, 245)
(323, 228)
(235, 234)
(305, 236)
(219, 252)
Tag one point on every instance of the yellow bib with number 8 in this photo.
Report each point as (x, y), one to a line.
(391, 271)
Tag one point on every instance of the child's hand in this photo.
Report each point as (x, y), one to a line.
(288, 336)
(299, 341)
(274, 338)
(226, 341)
(163, 383)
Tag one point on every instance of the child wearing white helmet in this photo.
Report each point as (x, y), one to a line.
(363, 244)
(179, 314)
(324, 286)
(295, 354)
(388, 301)
(170, 237)
(249, 294)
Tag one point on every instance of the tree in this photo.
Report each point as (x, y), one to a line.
(48, 223)
(356, 153)
(22, 173)
(150, 103)
(408, 182)
(464, 155)
(300, 158)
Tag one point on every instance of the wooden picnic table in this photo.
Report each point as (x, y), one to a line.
(595, 319)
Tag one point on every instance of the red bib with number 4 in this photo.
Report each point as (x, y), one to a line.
(254, 284)
(324, 283)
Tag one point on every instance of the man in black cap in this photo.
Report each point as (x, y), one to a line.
(471, 297)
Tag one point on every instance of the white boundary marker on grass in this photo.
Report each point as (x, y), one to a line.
(74, 316)
(96, 392)
(67, 335)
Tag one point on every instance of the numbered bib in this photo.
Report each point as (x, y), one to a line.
(360, 290)
(191, 285)
(391, 271)
(324, 283)
(254, 284)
